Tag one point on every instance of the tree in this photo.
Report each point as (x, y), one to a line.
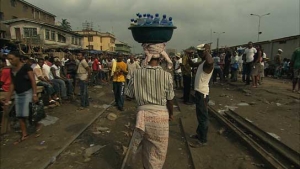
(65, 25)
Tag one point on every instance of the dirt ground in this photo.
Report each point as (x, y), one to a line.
(272, 107)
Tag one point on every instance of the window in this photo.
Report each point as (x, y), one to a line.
(61, 38)
(79, 41)
(73, 40)
(90, 47)
(25, 7)
(13, 3)
(30, 32)
(47, 35)
(53, 37)
(1, 16)
(90, 38)
(76, 41)
(112, 41)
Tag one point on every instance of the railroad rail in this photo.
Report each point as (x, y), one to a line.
(274, 153)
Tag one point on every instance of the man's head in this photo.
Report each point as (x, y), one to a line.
(80, 56)
(280, 51)
(202, 49)
(41, 62)
(131, 59)
(46, 57)
(250, 45)
(57, 62)
(119, 57)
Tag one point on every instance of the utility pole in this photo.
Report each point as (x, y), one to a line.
(259, 18)
(218, 39)
(88, 26)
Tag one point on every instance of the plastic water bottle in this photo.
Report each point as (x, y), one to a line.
(140, 20)
(148, 20)
(132, 22)
(156, 20)
(170, 21)
(164, 20)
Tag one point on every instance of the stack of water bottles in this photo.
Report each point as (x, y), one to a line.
(150, 20)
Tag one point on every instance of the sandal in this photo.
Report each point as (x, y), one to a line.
(23, 138)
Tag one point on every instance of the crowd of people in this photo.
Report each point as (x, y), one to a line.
(251, 64)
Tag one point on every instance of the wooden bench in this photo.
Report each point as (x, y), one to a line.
(5, 124)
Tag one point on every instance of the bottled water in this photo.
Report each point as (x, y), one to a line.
(170, 21)
(132, 22)
(140, 20)
(164, 20)
(148, 20)
(156, 20)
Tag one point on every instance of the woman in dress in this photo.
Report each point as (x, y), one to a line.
(24, 88)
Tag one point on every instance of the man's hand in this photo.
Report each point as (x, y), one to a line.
(171, 118)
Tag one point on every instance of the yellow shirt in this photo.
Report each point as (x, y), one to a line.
(118, 75)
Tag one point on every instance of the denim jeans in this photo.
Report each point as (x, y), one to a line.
(70, 87)
(202, 116)
(248, 68)
(49, 88)
(186, 87)
(118, 88)
(84, 96)
(62, 87)
(217, 72)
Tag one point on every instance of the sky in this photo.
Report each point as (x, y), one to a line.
(195, 19)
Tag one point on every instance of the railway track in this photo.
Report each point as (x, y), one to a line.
(274, 153)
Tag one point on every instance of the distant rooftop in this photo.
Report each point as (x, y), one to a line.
(29, 4)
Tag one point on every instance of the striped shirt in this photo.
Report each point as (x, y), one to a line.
(151, 86)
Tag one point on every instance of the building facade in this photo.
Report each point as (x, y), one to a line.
(122, 47)
(32, 32)
(13, 9)
(95, 40)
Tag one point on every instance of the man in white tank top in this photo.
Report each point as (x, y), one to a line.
(203, 75)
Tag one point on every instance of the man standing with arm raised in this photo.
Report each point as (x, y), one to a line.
(152, 87)
(203, 75)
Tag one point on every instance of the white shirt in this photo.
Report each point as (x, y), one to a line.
(201, 80)
(57, 72)
(250, 54)
(47, 71)
(177, 65)
(131, 68)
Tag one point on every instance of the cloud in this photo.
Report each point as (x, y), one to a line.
(194, 18)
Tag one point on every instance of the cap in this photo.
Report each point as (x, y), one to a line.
(200, 47)
(280, 50)
(178, 55)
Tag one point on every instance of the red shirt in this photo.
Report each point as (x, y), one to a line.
(95, 65)
(5, 78)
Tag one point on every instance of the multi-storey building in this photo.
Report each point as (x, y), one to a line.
(94, 40)
(36, 33)
(122, 47)
(13, 9)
